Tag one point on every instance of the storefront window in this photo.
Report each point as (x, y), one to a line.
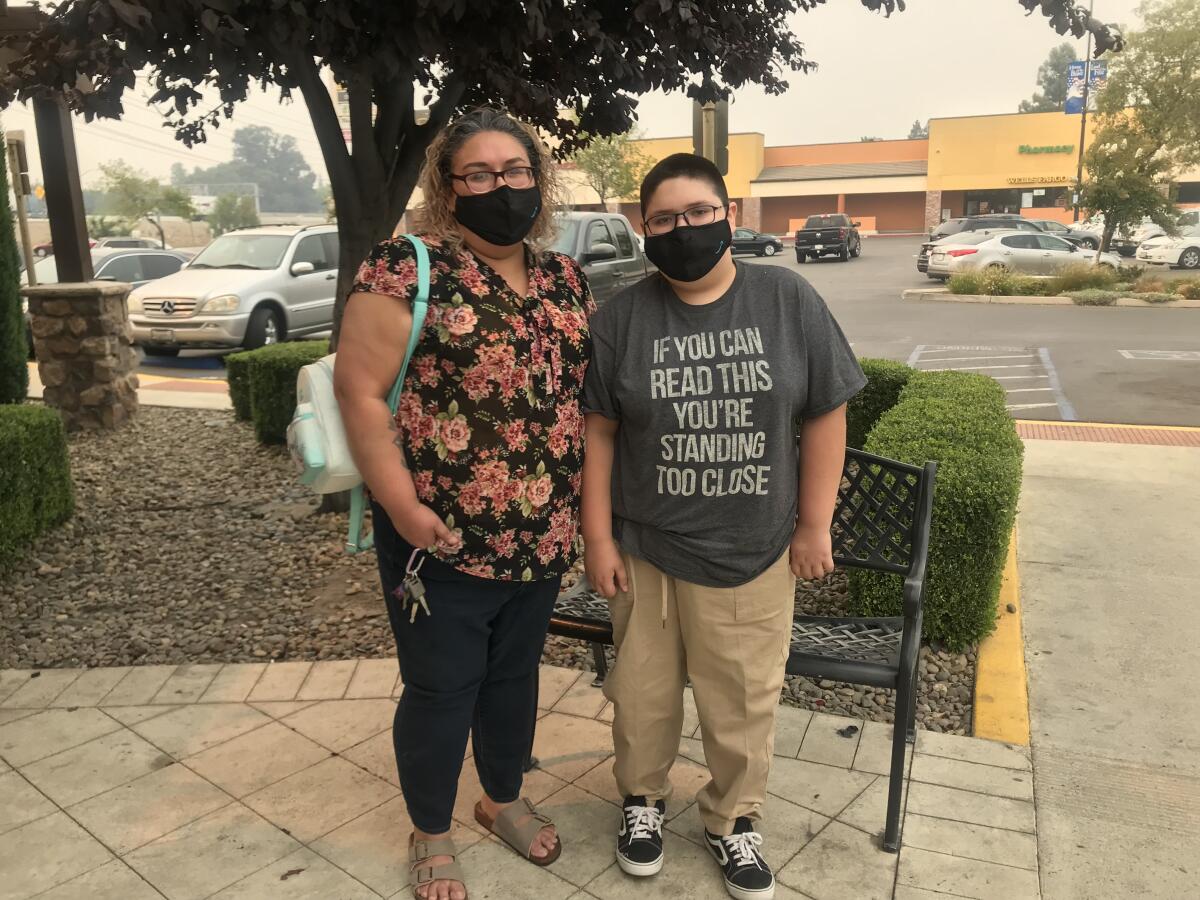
(979, 203)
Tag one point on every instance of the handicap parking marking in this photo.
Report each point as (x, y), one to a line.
(1167, 355)
(1030, 367)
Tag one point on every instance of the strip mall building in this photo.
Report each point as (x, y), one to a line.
(1019, 163)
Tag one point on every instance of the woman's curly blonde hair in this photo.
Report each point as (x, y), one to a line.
(435, 214)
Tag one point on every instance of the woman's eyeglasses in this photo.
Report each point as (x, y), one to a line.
(518, 178)
(693, 216)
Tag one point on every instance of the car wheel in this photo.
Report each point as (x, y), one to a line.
(41, 252)
(801, 258)
(1090, 244)
(857, 251)
(1190, 258)
(151, 350)
(769, 250)
(844, 253)
(264, 328)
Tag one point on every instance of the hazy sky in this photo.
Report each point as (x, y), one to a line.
(875, 76)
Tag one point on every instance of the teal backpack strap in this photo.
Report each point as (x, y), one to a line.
(356, 542)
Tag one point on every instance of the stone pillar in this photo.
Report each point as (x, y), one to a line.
(933, 209)
(752, 212)
(85, 357)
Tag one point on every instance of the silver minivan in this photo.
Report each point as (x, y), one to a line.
(246, 289)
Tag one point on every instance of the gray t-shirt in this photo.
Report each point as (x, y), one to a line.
(706, 468)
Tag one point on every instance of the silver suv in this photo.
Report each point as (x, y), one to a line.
(245, 289)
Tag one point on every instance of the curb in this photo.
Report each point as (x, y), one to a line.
(941, 295)
(1001, 683)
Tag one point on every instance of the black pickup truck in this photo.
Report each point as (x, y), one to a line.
(832, 234)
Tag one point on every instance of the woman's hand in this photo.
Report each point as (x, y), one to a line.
(604, 568)
(811, 552)
(423, 528)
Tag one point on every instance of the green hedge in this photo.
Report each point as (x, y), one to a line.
(885, 379)
(35, 480)
(237, 373)
(273, 371)
(959, 420)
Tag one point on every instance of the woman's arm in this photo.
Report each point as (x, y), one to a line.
(822, 457)
(371, 347)
(602, 557)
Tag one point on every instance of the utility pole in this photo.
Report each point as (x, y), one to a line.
(18, 168)
(1087, 83)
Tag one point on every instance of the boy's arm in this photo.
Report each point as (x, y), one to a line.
(822, 457)
(602, 558)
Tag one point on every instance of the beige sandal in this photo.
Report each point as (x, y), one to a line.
(520, 835)
(420, 875)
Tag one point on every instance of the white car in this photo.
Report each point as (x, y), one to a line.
(1017, 251)
(1182, 251)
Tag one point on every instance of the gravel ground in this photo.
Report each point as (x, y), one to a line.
(192, 543)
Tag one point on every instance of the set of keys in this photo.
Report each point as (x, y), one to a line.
(412, 590)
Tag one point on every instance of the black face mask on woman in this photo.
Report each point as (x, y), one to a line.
(689, 253)
(502, 217)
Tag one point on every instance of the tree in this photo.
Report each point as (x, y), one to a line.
(14, 350)
(1052, 79)
(262, 156)
(918, 130)
(612, 166)
(1128, 179)
(103, 226)
(135, 197)
(572, 69)
(178, 175)
(231, 212)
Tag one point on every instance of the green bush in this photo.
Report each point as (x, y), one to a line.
(997, 281)
(273, 371)
(14, 349)
(885, 379)
(1129, 272)
(35, 480)
(959, 420)
(237, 373)
(1095, 297)
(968, 282)
(1082, 276)
(1157, 297)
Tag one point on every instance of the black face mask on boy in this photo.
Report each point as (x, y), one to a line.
(502, 217)
(689, 253)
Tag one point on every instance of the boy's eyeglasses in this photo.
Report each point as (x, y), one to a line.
(692, 217)
(518, 178)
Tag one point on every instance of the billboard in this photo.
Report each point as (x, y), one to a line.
(1096, 76)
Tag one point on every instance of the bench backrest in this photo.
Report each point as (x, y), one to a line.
(881, 504)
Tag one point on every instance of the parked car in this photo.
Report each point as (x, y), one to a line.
(606, 245)
(1019, 251)
(128, 241)
(970, 224)
(246, 289)
(135, 267)
(747, 240)
(47, 248)
(832, 234)
(1182, 252)
(1077, 236)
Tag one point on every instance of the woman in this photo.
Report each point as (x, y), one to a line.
(475, 483)
(699, 514)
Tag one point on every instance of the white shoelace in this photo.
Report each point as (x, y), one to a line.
(643, 821)
(742, 847)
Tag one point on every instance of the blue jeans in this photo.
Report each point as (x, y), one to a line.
(469, 667)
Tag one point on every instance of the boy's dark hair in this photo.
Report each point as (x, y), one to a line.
(683, 165)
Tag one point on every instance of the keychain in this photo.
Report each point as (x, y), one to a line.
(412, 590)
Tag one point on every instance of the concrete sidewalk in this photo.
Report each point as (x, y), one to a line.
(160, 390)
(1110, 576)
(277, 781)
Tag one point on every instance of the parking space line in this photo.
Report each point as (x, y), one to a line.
(927, 358)
(969, 358)
(1064, 405)
(1025, 390)
(976, 368)
(1011, 406)
(1015, 377)
(916, 354)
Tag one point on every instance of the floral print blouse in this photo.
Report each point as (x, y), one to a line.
(489, 416)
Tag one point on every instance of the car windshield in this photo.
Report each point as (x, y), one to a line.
(825, 221)
(243, 251)
(564, 241)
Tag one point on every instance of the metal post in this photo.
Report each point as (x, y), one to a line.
(1087, 82)
(17, 174)
(64, 197)
(709, 114)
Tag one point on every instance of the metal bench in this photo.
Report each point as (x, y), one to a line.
(881, 523)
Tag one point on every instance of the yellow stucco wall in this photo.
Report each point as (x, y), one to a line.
(983, 152)
(899, 184)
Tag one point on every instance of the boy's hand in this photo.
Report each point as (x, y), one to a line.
(604, 568)
(811, 552)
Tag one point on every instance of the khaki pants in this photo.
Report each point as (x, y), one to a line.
(733, 643)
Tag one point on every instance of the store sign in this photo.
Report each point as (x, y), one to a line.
(1046, 148)
(1040, 179)
(1094, 73)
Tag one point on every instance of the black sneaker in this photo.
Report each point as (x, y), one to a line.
(639, 842)
(747, 875)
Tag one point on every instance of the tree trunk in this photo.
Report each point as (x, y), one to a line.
(1106, 239)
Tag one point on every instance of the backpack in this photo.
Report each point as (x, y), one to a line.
(316, 437)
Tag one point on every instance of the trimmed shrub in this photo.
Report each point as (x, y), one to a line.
(958, 419)
(273, 371)
(1095, 297)
(237, 373)
(885, 379)
(14, 346)
(35, 480)
(1081, 276)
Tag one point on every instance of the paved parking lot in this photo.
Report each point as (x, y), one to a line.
(1138, 366)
